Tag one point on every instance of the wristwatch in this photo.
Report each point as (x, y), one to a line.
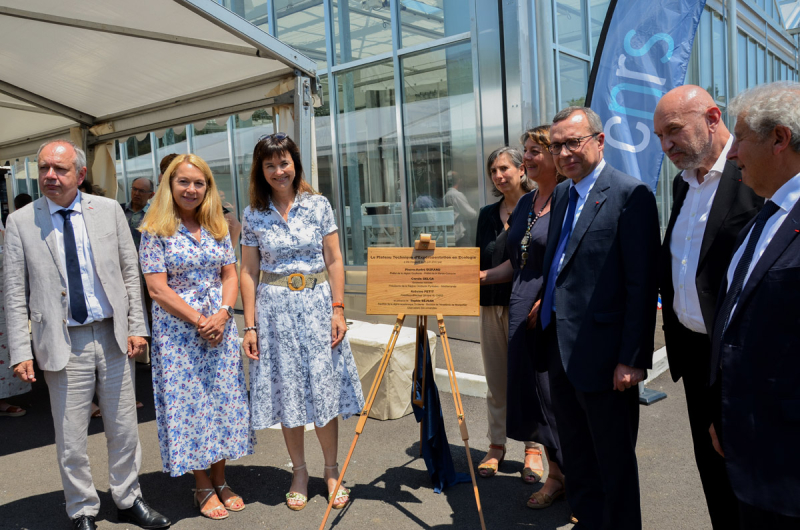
(229, 309)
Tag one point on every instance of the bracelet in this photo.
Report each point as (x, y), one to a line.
(197, 324)
(250, 328)
(338, 304)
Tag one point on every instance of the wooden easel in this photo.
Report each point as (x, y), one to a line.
(424, 243)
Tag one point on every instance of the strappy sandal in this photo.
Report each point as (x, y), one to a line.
(231, 500)
(300, 499)
(530, 475)
(486, 469)
(343, 493)
(543, 500)
(209, 513)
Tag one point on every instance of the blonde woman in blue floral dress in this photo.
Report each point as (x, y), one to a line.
(302, 369)
(189, 265)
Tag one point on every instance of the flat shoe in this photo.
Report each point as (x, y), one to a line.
(543, 500)
(294, 496)
(232, 499)
(487, 469)
(13, 411)
(530, 475)
(300, 499)
(209, 512)
(343, 493)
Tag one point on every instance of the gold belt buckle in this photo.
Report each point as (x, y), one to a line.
(296, 282)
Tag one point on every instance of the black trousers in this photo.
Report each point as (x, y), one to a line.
(695, 350)
(753, 518)
(598, 432)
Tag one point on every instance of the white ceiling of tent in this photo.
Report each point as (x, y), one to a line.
(93, 61)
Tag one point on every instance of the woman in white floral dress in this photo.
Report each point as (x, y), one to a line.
(302, 369)
(9, 385)
(202, 413)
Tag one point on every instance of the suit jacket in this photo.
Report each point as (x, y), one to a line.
(734, 205)
(36, 282)
(760, 377)
(606, 292)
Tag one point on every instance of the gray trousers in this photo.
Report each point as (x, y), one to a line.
(96, 364)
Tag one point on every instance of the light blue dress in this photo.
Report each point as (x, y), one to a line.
(202, 412)
(298, 378)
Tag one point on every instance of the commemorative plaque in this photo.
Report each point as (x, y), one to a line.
(423, 282)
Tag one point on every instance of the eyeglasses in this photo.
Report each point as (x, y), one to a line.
(572, 144)
(275, 136)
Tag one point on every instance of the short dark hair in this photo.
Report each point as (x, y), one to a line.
(266, 148)
(21, 200)
(595, 123)
(164, 164)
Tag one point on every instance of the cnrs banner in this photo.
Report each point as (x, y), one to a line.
(642, 54)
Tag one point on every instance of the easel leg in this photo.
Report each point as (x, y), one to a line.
(462, 424)
(362, 420)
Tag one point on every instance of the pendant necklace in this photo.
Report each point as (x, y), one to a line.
(526, 239)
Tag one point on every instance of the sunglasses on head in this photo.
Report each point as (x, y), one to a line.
(275, 136)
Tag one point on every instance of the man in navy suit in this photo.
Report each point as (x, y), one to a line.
(755, 354)
(710, 208)
(597, 318)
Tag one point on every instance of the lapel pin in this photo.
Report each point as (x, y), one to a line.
(798, 231)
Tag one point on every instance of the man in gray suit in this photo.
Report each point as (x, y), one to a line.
(72, 269)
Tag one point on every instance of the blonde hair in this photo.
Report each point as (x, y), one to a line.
(162, 218)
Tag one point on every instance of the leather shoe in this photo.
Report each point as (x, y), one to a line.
(142, 515)
(84, 522)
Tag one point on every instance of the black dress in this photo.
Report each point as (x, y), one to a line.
(529, 415)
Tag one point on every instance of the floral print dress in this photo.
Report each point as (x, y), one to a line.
(298, 378)
(202, 412)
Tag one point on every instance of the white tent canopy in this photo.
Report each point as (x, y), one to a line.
(101, 70)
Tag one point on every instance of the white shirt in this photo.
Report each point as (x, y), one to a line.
(786, 197)
(687, 238)
(583, 188)
(97, 304)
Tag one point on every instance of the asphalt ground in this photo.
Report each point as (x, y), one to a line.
(390, 486)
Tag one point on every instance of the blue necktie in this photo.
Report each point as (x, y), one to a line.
(737, 283)
(549, 292)
(77, 303)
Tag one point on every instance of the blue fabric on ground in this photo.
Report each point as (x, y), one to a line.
(435, 449)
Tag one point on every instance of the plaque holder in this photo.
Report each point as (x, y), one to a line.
(424, 243)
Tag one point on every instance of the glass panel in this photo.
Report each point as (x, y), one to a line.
(171, 141)
(742, 61)
(302, 26)
(703, 41)
(760, 66)
(574, 80)
(248, 128)
(599, 8)
(718, 42)
(570, 17)
(322, 130)
(19, 175)
(360, 29)
(770, 60)
(140, 160)
(440, 136)
(424, 20)
(33, 171)
(211, 144)
(369, 168)
(752, 66)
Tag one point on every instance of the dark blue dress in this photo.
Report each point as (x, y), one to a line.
(529, 415)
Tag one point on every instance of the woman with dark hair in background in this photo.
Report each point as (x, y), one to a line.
(507, 173)
(302, 369)
(529, 413)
